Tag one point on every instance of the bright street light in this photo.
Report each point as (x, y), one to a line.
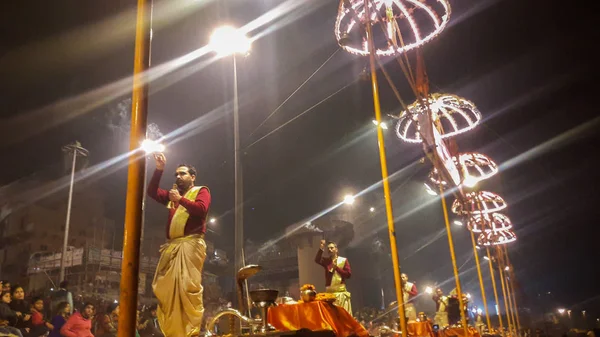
(468, 295)
(227, 40)
(151, 146)
(372, 209)
(349, 199)
(561, 311)
(429, 290)
(458, 223)
(213, 220)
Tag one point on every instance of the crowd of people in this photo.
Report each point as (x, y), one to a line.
(61, 315)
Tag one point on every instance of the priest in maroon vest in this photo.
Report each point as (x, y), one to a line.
(337, 271)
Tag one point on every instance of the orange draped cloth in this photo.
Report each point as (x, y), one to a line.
(315, 316)
(420, 329)
(458, 332)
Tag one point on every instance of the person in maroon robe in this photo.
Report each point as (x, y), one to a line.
(177, 283)
(337, 271)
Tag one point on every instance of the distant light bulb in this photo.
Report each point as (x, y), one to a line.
(213, 220)
(429, 290)
(561, 311)
(349, 199)
(372, 209)
(458, 223)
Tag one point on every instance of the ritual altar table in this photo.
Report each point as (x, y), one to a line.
(458, 332)
(315, 316)
(420, 329)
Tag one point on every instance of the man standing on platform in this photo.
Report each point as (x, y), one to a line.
(441, 303)
(337, 271)
(409, 291)
(177, 283)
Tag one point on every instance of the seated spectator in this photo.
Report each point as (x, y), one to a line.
(8, 318)
(63, 311)
(80, 323)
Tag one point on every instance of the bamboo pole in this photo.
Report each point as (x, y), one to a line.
(506, 307)
(481, 286)
(135, 178)
(495, 291)
(384, 178)
(454, 265)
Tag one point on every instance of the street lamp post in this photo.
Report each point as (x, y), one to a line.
(75, 150)
(226, 41)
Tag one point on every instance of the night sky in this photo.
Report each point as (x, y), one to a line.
(527, 65)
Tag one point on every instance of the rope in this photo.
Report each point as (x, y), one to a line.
(299, 115)
(292, 94)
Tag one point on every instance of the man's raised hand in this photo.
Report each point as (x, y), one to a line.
(160, 161)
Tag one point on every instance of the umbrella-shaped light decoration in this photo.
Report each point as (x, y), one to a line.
(476, 167)
(494, 222)
(455, 115)
(479, 202)
(494, 238)
(405, 24)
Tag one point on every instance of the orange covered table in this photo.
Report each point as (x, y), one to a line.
(420, 329)
(458, 332)
(315, 316)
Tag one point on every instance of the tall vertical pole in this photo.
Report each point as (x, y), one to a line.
(135, 177)
(481, 286)
(238, 180)
(506, 308)
(63, 255)
(145, 190)
(384, 176)
(74, 149)
(454, 265)
(508, 290)
(495, 291)
(512, 286)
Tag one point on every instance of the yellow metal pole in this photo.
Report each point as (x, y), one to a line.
(384, 178)
(510, 293)
(454, 266)
(135, 178)
(487, 316)
(506, 308)
(510, 305)
(512, 286)
(495, 291)
(481, 286)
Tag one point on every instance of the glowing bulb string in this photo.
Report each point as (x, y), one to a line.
(294, 92)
